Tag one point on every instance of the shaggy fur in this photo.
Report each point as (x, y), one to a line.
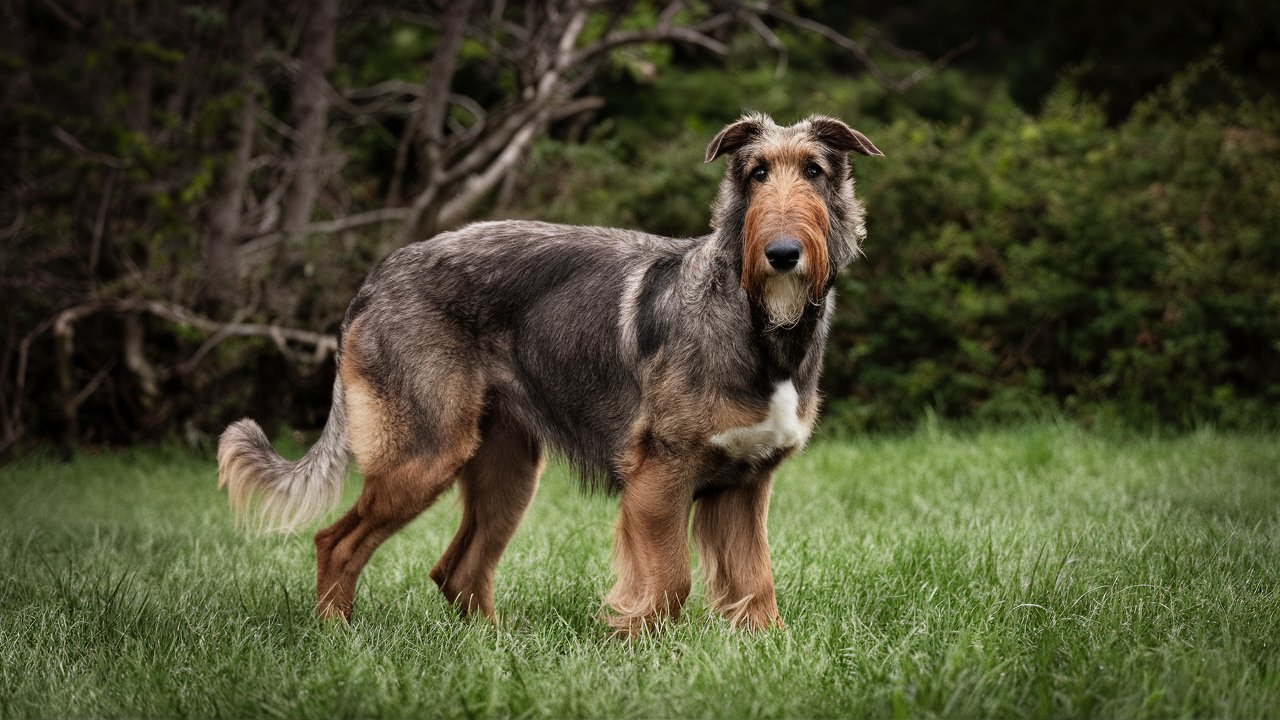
(675, 372)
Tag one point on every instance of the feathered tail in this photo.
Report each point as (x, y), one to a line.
(282, 495)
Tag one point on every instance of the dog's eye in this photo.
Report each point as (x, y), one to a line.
(812, 170)
(759, 174)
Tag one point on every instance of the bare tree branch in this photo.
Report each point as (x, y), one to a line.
(860, 52)
(772, 40)
(62, 324)
(460, 168)
(15, 428)
(478, 185)
(100, 223)
(282, 128)
(692, 35)
(309, 109)
(942, 61)
(71, 142)
(66, 17)
(92, 386)
(135, 358)
(392, 86)
(429, 123)
(262, 243)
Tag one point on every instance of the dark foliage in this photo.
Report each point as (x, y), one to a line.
(1068, 218)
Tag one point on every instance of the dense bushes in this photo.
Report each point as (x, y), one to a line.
(1050, 260)
(1019, 264)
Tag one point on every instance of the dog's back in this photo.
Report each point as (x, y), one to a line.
(533, 312)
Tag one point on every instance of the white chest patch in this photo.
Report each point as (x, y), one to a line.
(782, 429)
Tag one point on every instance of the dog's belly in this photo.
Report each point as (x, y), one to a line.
(782, 429)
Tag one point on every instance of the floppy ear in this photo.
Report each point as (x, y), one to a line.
(734, 136)
(838, 136)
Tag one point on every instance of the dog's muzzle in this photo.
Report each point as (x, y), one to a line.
(783, 254)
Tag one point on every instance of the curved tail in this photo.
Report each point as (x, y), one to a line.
(280, 494)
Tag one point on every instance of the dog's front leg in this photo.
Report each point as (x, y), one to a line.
(651, 549)
(733, 549)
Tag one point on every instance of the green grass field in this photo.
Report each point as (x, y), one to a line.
(1045, 571)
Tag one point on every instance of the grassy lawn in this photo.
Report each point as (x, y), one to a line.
(1045, 571)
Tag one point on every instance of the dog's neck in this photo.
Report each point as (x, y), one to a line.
(713, 271)
(789, 351)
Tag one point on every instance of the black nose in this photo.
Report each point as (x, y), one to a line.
(783, 254)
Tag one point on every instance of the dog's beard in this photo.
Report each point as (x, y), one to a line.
(785, 297)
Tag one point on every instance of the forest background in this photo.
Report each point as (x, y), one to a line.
(1078, 214)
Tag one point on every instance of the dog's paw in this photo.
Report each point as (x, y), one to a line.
(753, 613)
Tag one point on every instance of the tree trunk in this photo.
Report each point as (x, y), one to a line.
(309, 112)
(219, 249)
(225, 215)
(430, 122)
(64, 349)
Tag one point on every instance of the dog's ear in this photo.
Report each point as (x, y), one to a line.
(735, 136)
(840, 137)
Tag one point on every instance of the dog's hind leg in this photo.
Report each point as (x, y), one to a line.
(496, 485)
(729, 531)
(390, 499)
(405, 469)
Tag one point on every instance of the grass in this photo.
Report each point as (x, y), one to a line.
(1044, 571)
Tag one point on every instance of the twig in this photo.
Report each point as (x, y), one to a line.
(63, 15)
(70, 141)
(772, 40)
(92, 386)
(328, 227)
(860, 52)
(282, 128)
(692, 34)
(100, 222)
(16, 429)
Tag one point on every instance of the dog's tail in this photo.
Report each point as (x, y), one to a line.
(282, 495)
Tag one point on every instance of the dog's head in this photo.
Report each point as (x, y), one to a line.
(787, 194)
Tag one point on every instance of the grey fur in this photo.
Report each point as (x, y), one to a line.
(284, 495)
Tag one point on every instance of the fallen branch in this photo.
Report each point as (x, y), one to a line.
(323, 344)
(62, 325)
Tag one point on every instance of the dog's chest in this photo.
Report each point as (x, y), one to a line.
(782, 429)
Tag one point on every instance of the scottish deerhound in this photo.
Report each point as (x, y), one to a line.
(676, 372)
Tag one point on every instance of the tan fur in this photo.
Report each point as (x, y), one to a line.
(369, 420)
(733, 548)
(669, 452)
(724, 414)
(786, 205)
(368, 423)
(390, 499)
(397, 486)
(496, 486)
(651, 549)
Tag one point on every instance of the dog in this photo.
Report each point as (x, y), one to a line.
(677, 373)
